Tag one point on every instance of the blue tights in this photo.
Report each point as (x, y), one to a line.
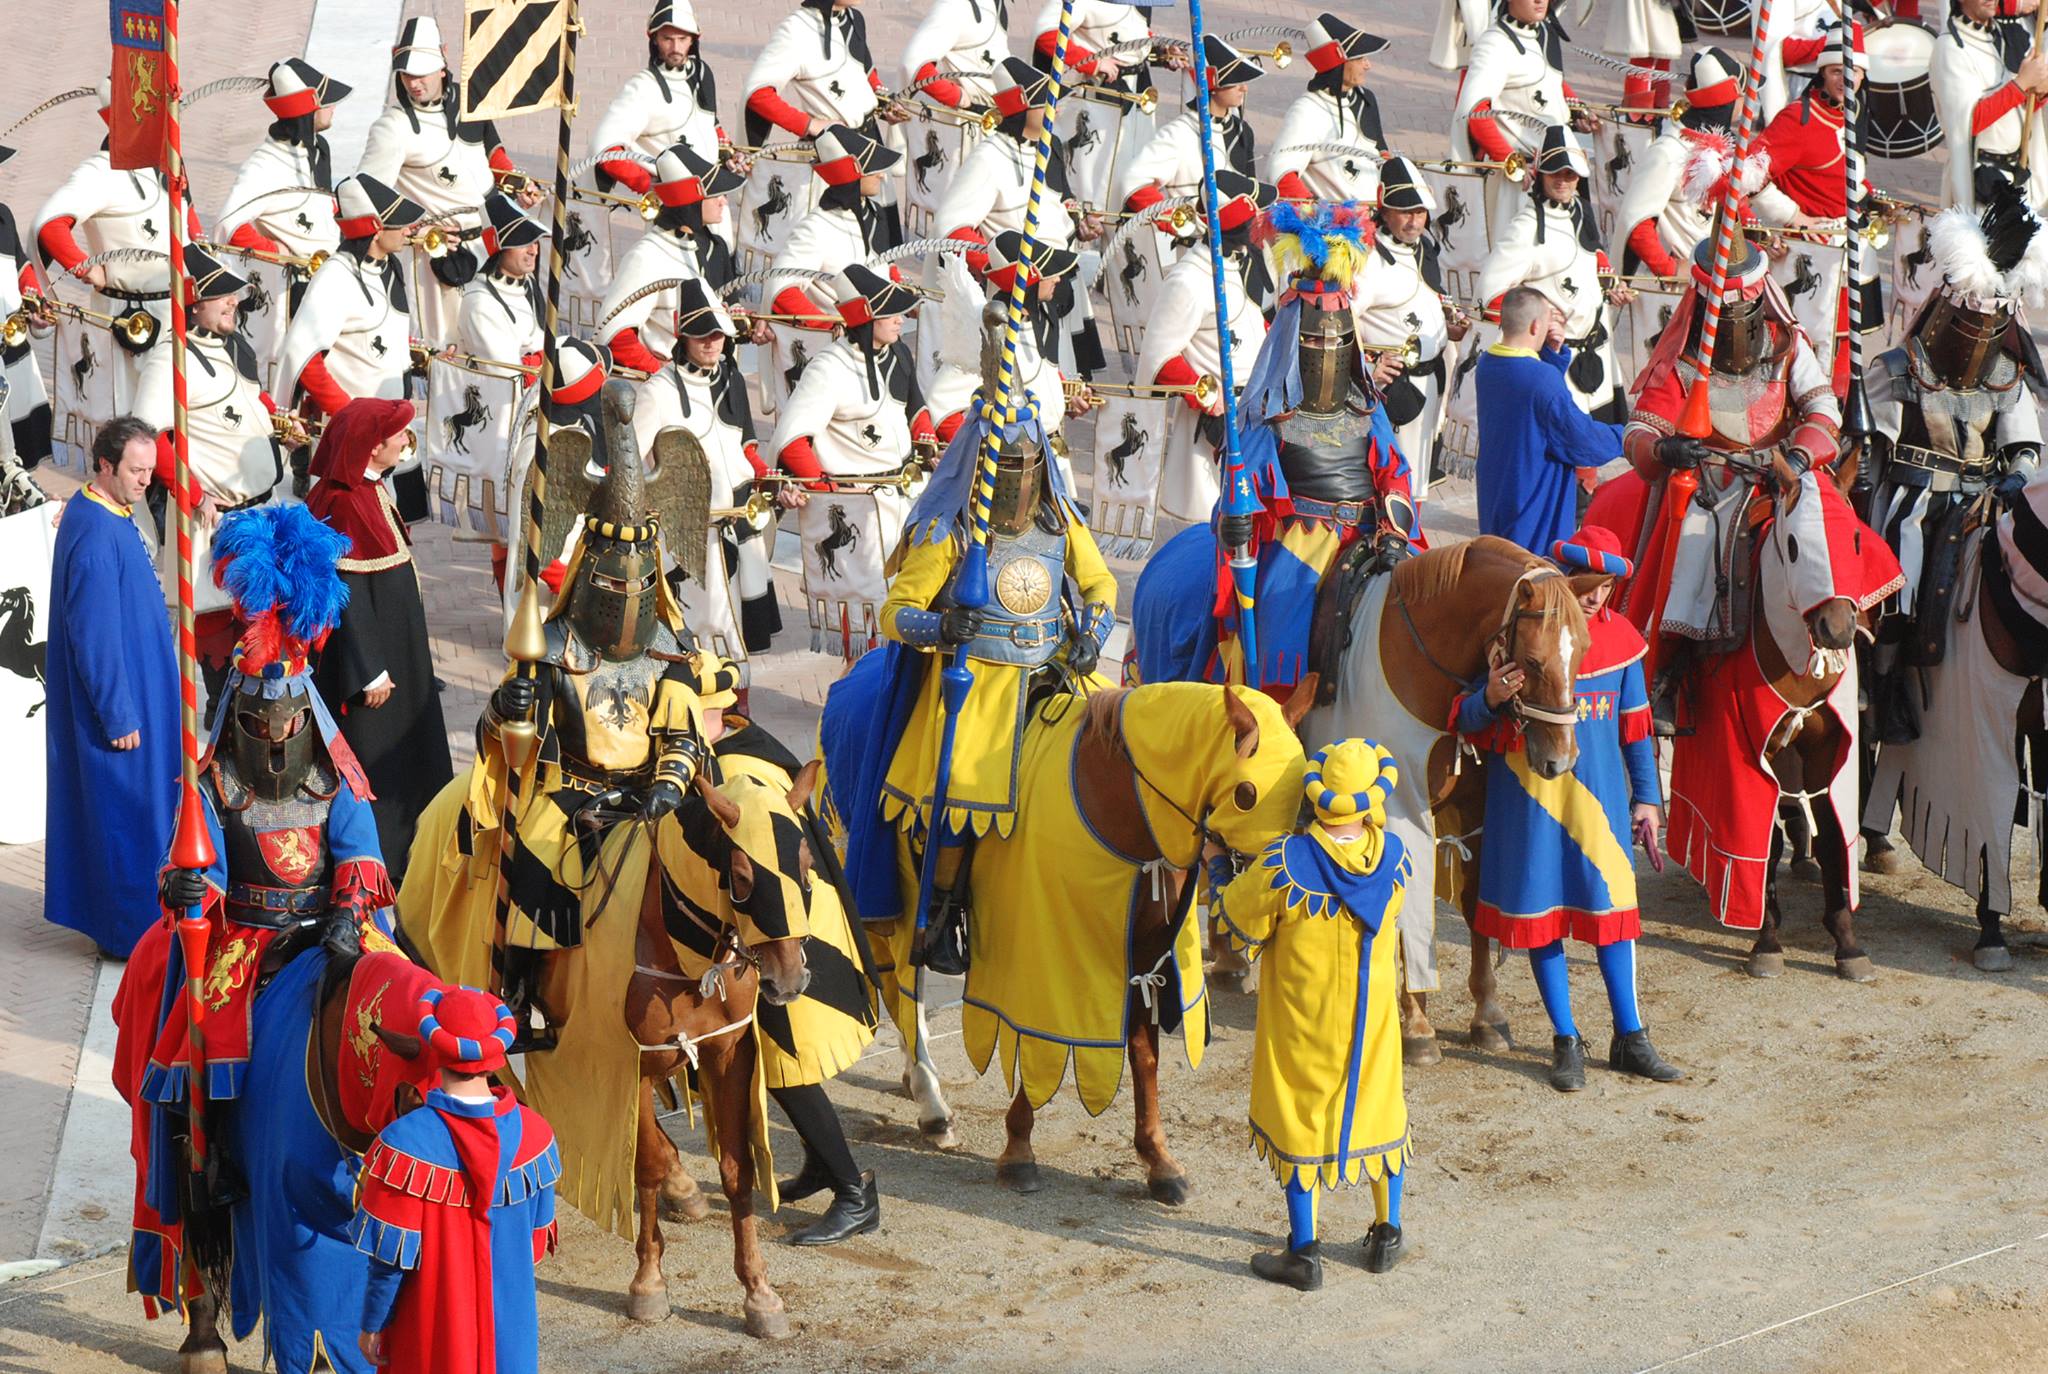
(1617, 970)
(1301, 1208)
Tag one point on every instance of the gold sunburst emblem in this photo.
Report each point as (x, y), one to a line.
(1023, 586)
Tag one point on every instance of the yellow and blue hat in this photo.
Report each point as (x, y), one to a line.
(1351, 780)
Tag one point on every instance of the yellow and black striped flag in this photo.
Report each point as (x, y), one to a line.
(512, 56)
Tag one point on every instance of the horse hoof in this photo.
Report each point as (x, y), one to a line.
(1491, 1037)
(1857, 968)
(1765, 964)
(688, 1207)
(767, 1323)
(1421, 1052)
(1883, 861)
(1992, 959)
(1229, 980)
(939, 1134)
(212, 1360)
(647, 1307)
(1019, 1178)
(1173, 1190)
(1806, 870)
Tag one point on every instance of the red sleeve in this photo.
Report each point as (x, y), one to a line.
(921, 426)
(1569, 94)
(627, 349)
(1991, 108)
(269, 401)
(793, 300)
(194, 234)
(1079, 58)
(945, 92)
(501, 161)
(977, 261)
(1600, 260)
(752, 450)
(1799, 51)
(1178, 371)
(536, 359)
(874, 80)
(28, 280)
(321, 387)
(628, 173)
(950, 426)
(799, 459)
(167, 467)
(769, 104)
(1292, 187)
(1145, 197)
(250, 237)
(1643, 239)
(1484, 131)
(58, 245)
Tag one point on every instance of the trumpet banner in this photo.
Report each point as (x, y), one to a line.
(1130, 454)
(512, 56)
(847, 538)
(28, 542)
(1130, 277)
(475, 425)
(934, 153)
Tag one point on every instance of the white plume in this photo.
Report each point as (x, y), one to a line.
(1957, 243)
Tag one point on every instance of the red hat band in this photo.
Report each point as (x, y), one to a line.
(1718, 94)
(580, 390)
(1011, 100)
(1327, 57)
(1236, 212)
(840, 171)
(360, 228)
(294, 105)
(685, 191)
(856, 312)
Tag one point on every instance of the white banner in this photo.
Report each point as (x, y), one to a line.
(27, 542)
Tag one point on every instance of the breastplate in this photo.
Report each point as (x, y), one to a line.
(1748, 412)
(279, 865)
(615, 707)
(1021, 623)
(1323, 457)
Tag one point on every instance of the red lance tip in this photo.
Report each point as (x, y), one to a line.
(1696, 421)
(191, 845)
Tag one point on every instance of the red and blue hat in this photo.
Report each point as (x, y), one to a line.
(465, 1030)
(1594, 549)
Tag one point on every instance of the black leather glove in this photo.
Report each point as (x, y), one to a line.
(1390, 547)
(959, 625)
(1234, 531)
(514, 699)
(663, 799)
(2008, 488)
(1680, 452)
(180, 888)
(1082, 655)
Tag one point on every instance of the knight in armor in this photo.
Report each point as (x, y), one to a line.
(814, 71)
(575, 402)
(856, 413)
(1806, 189)
(673, 99)
(231, 444)
(351, 335)
(1318, 447)
(1181, 345)
(1051, 607)
(1330, 140)
(1984, 73)
(1663, 215)
(846, 225)
(25, 413)
(421, 147)
(991, 194)
(282, 203)
(1553, 245)
(1960, 432)
(636, 319)
(733, 612)
(1771, 398)
(1400, 298)
(98, 211)
(616, 707)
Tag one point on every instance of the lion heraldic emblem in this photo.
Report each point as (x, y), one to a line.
(292, 854)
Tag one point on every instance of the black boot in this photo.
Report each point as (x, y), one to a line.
(522, 973)
(1567, 1063)
(1302, 1269)
(812, 1179)
(942, 947)
(855, 1211)
(1633, 1053)
(1382, 1247)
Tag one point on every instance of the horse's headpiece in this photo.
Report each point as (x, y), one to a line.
(1351, 780)
(464, 1030)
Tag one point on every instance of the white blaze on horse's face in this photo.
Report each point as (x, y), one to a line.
(1812, 623)
(1557, 642)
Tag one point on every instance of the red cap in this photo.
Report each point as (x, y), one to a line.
(464, 1030)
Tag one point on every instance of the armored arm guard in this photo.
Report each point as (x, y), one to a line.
(918, 629)
(678, 755)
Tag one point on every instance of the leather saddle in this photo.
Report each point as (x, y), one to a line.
(1331, 623)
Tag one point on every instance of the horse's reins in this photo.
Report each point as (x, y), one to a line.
(1500, 647)
(711, 983)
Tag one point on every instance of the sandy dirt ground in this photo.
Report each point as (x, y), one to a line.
(1832, 1139)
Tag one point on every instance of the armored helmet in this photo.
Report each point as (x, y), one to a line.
(614, 600)
(1328, 347)
(1987, 265)
(1742, 337)
(270, 733)
(1020, 457)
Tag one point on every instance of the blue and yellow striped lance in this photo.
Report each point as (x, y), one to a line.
(999, 413)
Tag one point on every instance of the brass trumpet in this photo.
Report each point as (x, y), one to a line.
(1630, 113)
(469, 362)
(441, 238)
(1409, 350)
(281, 424)
(1203, 389)
(743, 317)
(137, 329)
(1281, 54)
(309, 264)
(758, 505)
(1144, 102)
(1179, 218)
(648, 204)
(1650, 280)
(1510, 167)
(773, 152)
(984, 120)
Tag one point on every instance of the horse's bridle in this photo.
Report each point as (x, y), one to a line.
(1500, 647)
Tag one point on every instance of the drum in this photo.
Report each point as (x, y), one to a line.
(1721, 18)
(1898, 96)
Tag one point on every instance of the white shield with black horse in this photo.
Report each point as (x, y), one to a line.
(28, 541)
(1130, 454)
(473, 424)
(847, 537)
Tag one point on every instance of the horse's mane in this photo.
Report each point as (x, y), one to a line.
(1101, 720)
(1423, 578)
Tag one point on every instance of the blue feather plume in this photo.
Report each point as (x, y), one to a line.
(282, 559)
(1318, 233)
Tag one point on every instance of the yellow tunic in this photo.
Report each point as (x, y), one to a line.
(982, 790)
(1327, 1106)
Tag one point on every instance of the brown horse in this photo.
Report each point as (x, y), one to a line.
(1420, 637)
